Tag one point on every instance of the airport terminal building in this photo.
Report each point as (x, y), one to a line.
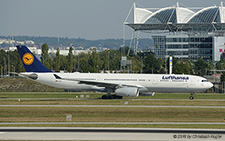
(190, 33)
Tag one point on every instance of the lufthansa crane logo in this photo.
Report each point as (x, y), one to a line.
(28, 58)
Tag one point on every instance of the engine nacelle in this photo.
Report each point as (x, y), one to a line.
(127, 92)
(147, 93)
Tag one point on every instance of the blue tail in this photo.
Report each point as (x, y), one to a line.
(30, 62)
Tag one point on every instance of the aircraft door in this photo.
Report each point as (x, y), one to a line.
(191, 84)
(154, 82)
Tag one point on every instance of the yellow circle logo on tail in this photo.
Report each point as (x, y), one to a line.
(28, 58)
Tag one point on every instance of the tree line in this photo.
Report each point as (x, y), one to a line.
(65, 41)
(109, 60)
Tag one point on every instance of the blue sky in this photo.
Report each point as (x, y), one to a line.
(89, 19)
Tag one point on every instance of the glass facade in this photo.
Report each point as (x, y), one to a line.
(160, 46)
(207, 16)
(200, 47)
(165, 16)
(183, 47)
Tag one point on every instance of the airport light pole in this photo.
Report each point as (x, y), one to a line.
(13, 71)
(8, 63)
(1, 71)
(78, 62)
(141, 64)
(4, 66)
(170, 64)
(74, 53)
(98, 63)
(108, 60)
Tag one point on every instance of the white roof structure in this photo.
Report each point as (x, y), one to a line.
(141, 14)
(177, 14)
(177, 18)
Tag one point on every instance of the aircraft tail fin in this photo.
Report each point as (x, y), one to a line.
(30, 62)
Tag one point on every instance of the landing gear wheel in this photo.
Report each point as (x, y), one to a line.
(191, 97)
(107, 97)
(111, 97)
(104, 97)
(117, 97)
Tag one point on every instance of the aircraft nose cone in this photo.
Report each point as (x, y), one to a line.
(210, 84)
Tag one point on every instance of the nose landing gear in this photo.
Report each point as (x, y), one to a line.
(192, 96)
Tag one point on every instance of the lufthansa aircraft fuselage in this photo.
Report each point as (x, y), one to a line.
(128, 85)
(144, 82)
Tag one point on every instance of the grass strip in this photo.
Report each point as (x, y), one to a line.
(96, 114)
(98, 95)
(163, 102)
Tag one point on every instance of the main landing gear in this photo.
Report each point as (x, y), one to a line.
(192, 96)
(109, 96)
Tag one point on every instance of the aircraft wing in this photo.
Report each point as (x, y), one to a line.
(98, 83)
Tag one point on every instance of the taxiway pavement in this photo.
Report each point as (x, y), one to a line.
(131, 134)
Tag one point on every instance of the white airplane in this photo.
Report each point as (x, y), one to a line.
(123, 85)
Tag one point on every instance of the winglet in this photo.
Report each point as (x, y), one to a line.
(30, 62)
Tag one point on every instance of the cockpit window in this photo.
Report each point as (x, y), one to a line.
(204, 80)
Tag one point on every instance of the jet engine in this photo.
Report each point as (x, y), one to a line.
(127, 92)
